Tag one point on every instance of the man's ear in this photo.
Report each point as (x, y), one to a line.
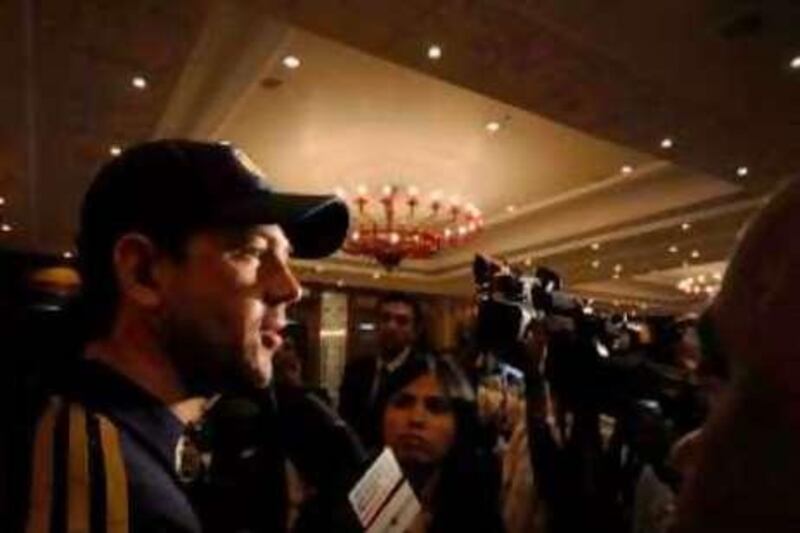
(135, 259)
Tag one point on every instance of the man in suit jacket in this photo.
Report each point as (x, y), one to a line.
(363, 389)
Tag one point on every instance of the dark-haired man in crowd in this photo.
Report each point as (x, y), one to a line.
(184, 254)
(366, 379)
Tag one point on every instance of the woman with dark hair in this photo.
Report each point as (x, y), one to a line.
(430, 422)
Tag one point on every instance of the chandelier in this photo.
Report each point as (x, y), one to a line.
(701, 284)
(400, 224)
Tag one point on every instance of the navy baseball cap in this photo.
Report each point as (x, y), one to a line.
(172, 188)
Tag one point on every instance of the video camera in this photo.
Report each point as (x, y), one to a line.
(593, 361)
(509, 302)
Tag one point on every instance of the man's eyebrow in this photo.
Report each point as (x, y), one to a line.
(289, 247)
(274, 239)
(283, 242)
(280, 241)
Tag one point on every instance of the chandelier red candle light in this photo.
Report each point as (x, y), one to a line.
(398, 224)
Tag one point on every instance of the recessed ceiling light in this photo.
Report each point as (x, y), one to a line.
(528, 262)
(115, 150)
(686, 226)
(616, 275)
(795, 64)
(434, 52)
(376, 275)
(617, 268)
(5, 228)
(2, 201)
(493, 126)
(595, 246)
(673, 249)
(511, 208)
(626, 169)
(695, 254)
(340, 283)
(667, 143)
(742, 171)
(139, 82)
(596, 263)
(291, 61)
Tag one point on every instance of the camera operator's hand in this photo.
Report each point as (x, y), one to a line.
(534, 347)
(534, 355)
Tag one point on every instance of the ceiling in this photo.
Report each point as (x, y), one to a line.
(68, 98)
(346, 118)
(580, 90)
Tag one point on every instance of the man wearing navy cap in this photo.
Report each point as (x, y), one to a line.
(184, 254)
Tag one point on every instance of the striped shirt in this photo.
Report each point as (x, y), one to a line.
(103, 461)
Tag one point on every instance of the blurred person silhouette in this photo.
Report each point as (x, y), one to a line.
(290, 364)
(713, 377)
(288, 361)
(747, 469)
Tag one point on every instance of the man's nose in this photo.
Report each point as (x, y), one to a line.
(419, 415)
(280, 286)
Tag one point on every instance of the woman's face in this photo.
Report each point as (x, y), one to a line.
(419, 424)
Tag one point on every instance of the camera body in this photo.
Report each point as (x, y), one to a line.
(510, 302)
(593, 362)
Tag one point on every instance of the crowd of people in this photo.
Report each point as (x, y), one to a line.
(182, 409)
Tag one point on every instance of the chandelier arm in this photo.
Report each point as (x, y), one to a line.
(395, 227)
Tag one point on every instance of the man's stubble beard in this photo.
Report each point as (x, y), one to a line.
(205, 365)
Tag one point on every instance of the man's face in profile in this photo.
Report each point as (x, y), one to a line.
(224, 307)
